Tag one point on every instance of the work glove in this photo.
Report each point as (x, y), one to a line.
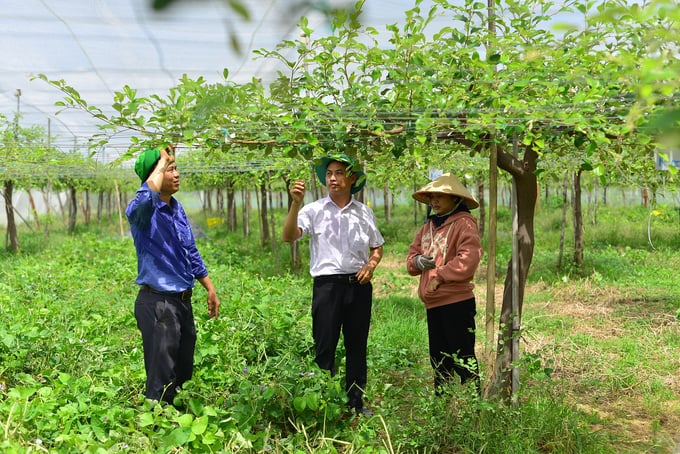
(423, 262)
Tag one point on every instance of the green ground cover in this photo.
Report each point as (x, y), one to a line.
(599, 368)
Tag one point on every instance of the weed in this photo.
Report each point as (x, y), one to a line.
(598, 366)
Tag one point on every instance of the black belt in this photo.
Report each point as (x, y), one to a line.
(184, 296)
(339, 278)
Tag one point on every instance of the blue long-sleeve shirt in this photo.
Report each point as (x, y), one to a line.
(167, 257)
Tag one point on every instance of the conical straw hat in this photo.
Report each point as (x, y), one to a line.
(446, 184)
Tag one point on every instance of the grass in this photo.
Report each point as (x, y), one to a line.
(599, 346)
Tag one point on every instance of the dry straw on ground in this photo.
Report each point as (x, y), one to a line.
(594, 327)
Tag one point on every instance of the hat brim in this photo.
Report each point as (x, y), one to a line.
(321, 167)
(424, 197)
(445, 184)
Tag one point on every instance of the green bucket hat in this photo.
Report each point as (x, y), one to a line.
(321, 165)
(146, 161)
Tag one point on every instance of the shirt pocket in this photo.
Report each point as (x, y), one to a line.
(358, 233)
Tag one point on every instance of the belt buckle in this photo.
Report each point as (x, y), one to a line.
(352, 279)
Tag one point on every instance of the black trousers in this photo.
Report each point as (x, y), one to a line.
(169, 339)
(451, 332)
(345, 306)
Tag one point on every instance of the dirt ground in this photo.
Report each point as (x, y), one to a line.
(585, 373)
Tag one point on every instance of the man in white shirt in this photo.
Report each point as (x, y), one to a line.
(345, 249)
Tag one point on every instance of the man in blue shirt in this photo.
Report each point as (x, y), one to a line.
(345, 248)
(168, 263)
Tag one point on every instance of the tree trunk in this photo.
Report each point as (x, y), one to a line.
(12, 239)
(36, 218)
(72, 210)
(231, 207)
(207, 202)
(416, 207)
(100, 205)
(119, 208)
(578, 219)
(523, 174)
(272, 228)
(482, 209)
(563, 227)
(109, 204)
(48, 210)
(245, 198)
(386, 202)
(219, 201)
(596, 207)
(86, 207)
(61, 208)
(264, 223)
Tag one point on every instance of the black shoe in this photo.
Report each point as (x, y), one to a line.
(357, 405)
(363, 411)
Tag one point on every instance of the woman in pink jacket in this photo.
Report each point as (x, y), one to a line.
(446, 252)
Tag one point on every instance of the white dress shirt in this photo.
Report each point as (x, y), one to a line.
(339, 238)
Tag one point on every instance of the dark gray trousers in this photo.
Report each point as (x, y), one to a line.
(451, 333)
(346, 307)
(169, 339)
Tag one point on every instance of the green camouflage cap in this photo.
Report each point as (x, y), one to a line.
(146, 161)
(321, 165)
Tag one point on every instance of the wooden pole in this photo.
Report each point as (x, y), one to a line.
(491, 253)
(515, 287)
(491, 238)
(120, 211)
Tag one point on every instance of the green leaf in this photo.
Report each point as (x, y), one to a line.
(145, 419)
(240, 9)
(579, 139)
(299, 403)
(209, 411)
(494, 58)
(199, 425)
(185, 420)
(312, 401)
(177, 437)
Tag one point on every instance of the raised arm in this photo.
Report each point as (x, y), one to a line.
(155, 180)
(291, 231)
